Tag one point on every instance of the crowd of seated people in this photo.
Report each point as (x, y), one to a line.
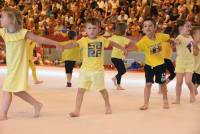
(51, 17)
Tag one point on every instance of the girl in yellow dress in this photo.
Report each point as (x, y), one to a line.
(16, 81)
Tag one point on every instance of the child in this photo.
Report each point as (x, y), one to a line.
(150, 44)
(32, 45)
(184, 60)
(70, 57)
(16, 81)
(92, 69)
(196, 53)
(117, 54)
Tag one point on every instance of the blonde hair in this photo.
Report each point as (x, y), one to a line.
(15, 17)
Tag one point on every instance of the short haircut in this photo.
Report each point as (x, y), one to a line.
(150, 19)
(71, 35)
(93, 21)
(120, 28)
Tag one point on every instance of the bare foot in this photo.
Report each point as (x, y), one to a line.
(114, 81)
(37, 109)
(192, 98)
(144, 107)
(108, 111)
(176, 102)
(3, 117)
(120, 88)
(74, 114)
(166, 105)
(38, 82)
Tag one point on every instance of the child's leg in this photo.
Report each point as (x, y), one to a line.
(69, 65)
(196, 89)
(105, 96)
(147, 92)
(28, 98)
(6, 101)
(163, 87)
(119, 65)
(188, 81)
(179, 82)
(79, 100)
(171, 69)
(34, 75)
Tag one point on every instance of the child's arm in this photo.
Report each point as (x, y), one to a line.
(131, 46)
(195, 49)
(113, 44)
(70, 45)
(41, 40)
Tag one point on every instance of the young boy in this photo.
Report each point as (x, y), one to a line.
(150, 44)
(92, 69)
(196, 53)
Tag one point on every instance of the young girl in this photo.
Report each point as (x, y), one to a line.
(117, 54)
(184, 60)
(196, 53)
(70, 57)
(16, 81)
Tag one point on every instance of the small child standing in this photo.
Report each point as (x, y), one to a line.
(16, 81)
(150, 44)
(92, 68)
(184, 60)
(117, 54)
(32, 45)
(70, 56)
(196, 53)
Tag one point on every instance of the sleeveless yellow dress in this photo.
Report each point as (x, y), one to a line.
(17, 61)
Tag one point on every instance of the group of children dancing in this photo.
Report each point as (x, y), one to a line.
(92, 54)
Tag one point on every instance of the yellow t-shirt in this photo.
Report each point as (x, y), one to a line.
(122, 41)
(184, 50)
(166, 50)
(197, 62)
(31, 45)
(152, 49)
(17, 61)
(93, 53)
(72, 54)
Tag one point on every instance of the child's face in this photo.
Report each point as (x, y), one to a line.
(5, 20)
(186, 28)
(196, 35)
(149, 28)
(92, 30)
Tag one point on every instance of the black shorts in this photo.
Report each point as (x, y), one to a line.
(69, 65)
(196, 78)
(158, 72)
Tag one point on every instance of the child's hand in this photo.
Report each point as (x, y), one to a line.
(175, 42)
(125, 52)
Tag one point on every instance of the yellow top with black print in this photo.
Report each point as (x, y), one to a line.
(93, 53)
(152, 49)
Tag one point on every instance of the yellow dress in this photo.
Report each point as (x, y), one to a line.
(17, 61)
